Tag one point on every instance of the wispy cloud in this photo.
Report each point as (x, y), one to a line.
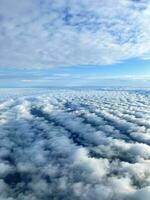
(63, 33)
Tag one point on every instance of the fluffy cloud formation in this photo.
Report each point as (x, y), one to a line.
(75, 145)
(53, 33)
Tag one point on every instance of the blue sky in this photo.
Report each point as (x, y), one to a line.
(74, 43)
(130, 73)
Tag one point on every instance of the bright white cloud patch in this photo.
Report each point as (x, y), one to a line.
(53, 33)
(75, 145)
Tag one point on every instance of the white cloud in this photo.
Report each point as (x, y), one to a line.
(63, 33)
(71, 144)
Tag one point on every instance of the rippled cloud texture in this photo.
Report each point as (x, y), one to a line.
(73, 145)
(52, 33)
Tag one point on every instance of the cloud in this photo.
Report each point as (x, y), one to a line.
(67, 33)
(71, 144)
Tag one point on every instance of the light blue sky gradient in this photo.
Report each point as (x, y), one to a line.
(131, 73)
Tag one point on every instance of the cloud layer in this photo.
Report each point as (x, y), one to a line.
(75, 145)
(52, 33)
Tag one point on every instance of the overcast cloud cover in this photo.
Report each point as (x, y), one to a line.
(74, 145)
(52, 33)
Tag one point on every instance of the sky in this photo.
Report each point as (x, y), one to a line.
(46, 43)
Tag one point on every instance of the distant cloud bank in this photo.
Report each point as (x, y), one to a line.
(75, 145)
(52, 33)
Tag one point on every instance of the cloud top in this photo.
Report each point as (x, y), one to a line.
(75, 145)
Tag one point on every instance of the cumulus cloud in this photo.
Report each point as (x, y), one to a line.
(74, 145)
(53, 33)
